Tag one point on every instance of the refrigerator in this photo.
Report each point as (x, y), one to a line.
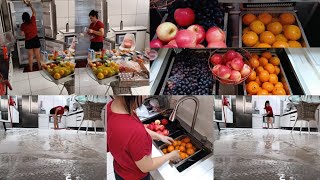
(30, 110)
(243, 111)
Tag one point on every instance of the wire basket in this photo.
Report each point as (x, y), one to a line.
(158, 4)
(246, 57)
(306, 111)
(92, 110)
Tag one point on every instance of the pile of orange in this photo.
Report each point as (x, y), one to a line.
(266, 31)
(264, 79)
(185, 147)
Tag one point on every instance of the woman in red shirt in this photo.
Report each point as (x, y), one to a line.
(130, 143)
(269, 111)
(32, 43)
(56, 113)
(96, 30)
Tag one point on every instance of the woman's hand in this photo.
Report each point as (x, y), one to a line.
(166, 139)
(90, 31)
(174, 155)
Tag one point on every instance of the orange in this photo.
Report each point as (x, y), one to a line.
(275, 28)
(247, 29)
(188, 145)
(61, 72)
(250, 38)
(183, 155)
(267, 37)
(273, 79)
(262, 92)
(294, 44)
(270, 68)
(165, 151)
(292, 32)
(275, 61)
(265, 18)
(279, 91)
(194, 148)
(268, 86)
(257, 27)
(255, 56)
(258, 81)
(190, 151)
(187, 155)
(281, 37)
(259, 70)
(263, 45)
(248, 19)
(182, 149)
(278, 85)
(280, 44)
(252, 76)
(252, 87)
(284, 27)
(266, 54)
(277, 70)
(175, 143)
(177, 148)
(57, 76)
(170, 148)
(183, 144)
(275, 19)
(264, 76)
(287, 19)
(254, 62)
(186, 140)
(179, 143)
(263, 61)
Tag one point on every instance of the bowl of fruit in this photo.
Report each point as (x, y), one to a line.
(230, 66)
(104, 71)
(159, 126)
(59, 72)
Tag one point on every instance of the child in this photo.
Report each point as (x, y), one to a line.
(269, 111)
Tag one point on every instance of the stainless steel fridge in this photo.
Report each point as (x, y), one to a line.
(243, 113)
(30, 110)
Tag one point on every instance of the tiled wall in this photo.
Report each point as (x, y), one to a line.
(62, 13)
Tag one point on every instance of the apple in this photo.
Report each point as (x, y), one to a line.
(245, 71)
(235, 75)
(156, 127)
(184, 16)
(215, 69)
(165, 132)
(161, 127)
(217, 44)
(229, 64)
(229, 55)
(224, 72)
(186, 39)
(173, 43)
(156, 43)
(159, 132)
(216, 59)
(151, 127)
(169, 46)
(152, 123)
(237, 64)
(166, 31)
(200, 46)
(157, 122)
(215, 34)
(164, 121)
(238, 55)
(199, 30)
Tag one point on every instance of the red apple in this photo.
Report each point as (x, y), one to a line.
(245, 71)
(173, 43)
(165, 132)
(215, 69)
(156, 43)
(235, 75)
(229, 64)
(200, 46)
(230, 55)
(151, 127)
(169, 46)
(156, 127)
(166, 31)
(238, 55)
(164, 121)
(237, 64)
(224, 72)
(217, 44)
(184, 16)
(199, 30)
(152, 123)
(216, 59)
(161, 128)
(159, 132)
(186, 39)
(215, 34)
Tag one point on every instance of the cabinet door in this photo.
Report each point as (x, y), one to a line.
(71, 121)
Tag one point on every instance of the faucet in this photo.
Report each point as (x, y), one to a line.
(174, 112)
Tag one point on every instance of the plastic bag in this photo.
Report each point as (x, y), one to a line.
(129, 66)
(128, 43)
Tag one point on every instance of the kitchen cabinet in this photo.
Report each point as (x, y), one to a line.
(14, 114)
(228, 115)
(257, 121)
(71, 121)
(43, 121)
(287, 121)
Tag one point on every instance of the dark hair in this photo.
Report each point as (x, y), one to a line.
(26, 17)
(67, 108)
(131, 103)
(94, 13)
(265, 104)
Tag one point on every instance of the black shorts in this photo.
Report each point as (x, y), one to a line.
(269, 115)
(96, 46)
(33, 43)
(120, 178)
(52, 111)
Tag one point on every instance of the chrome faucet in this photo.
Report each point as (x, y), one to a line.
(174, 112)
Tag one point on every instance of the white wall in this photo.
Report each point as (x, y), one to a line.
(134, 12)
(62, 13)
(49, 102)
(274, 103)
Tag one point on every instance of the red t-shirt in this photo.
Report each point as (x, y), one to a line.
(30, 29)
(269, 109)
(60, 111)
(96, 26)
(128, 141)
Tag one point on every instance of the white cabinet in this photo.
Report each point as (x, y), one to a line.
(276, 122)
(257, 122)
(71, 121)
(43, 121)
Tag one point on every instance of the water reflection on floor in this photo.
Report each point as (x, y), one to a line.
(266, 154)
(52, 155)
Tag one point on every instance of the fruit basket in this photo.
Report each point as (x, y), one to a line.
(103, 72)
(230, 66)
(273, 29)
(59, 72)
(186, 153)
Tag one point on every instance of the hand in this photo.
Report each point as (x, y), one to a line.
(166, 139)
(174, 155)
(90, 31)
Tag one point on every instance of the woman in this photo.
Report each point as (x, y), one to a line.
(32, 43)
(56, 113)
(130, 143)
(96, 31)
(269, 111)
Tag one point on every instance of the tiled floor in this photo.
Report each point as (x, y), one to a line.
(52, 154)
(266, 154)
(33, 83)
(84, 84)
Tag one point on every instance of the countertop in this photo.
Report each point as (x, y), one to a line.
(289, 112)
(129, 28)
(70, 114)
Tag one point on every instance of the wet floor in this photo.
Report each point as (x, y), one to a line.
(52, 155)
(266, 154)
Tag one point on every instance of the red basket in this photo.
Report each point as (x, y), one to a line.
(246, 57)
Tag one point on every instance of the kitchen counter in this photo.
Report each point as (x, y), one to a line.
(289, 112)
(258, 123)
(129, 28)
